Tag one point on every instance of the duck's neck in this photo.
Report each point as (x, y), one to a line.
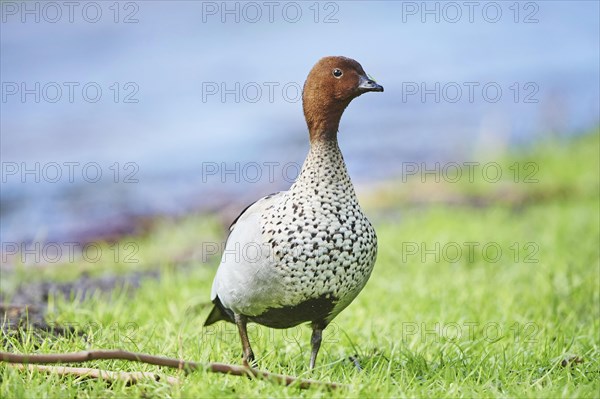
(324, 129)
(324, 168)
(323, 117)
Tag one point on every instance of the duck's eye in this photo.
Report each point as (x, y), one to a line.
(337, 73)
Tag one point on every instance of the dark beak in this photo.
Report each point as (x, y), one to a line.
(365, 84)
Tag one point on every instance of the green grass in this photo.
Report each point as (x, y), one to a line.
(430, 322)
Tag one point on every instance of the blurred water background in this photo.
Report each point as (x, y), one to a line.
(166, 133)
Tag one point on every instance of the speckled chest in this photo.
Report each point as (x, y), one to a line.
(321, 243)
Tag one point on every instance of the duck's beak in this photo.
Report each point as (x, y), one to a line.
(365, 84)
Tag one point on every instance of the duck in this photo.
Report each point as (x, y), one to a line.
(302, 255)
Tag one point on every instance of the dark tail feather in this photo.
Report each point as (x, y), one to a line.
(218, 313)
(214, 316)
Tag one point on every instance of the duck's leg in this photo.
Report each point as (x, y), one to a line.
(315, 342)
(248, 355)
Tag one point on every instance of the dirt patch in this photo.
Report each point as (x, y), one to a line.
(28, 304)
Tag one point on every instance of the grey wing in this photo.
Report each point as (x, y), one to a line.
(245, 282)
(243, 212)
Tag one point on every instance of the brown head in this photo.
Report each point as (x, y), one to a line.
(330, 86)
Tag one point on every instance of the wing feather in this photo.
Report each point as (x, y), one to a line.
(244, 282)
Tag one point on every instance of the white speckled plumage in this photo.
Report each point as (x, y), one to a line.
(310, 241)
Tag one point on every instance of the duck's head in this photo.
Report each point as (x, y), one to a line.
(330, 86)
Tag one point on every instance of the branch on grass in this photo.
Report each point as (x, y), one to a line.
(77, 357)
(129, 378)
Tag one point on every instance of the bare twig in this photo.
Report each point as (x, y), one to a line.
(77, 357)
(129, 378)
